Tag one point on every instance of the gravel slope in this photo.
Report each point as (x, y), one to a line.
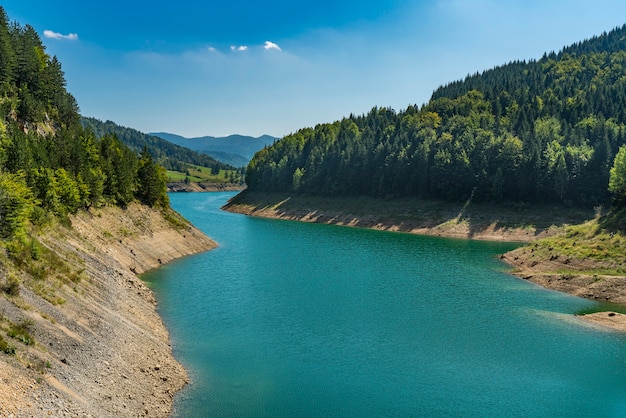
(104, 351)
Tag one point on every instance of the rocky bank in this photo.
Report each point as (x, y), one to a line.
(100, 348)
(204, 187)
(436, 218)
(571, 275)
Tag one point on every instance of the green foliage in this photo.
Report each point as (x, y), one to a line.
(49, 164)
(20, 332)
(119, 165)
(11, 285)
(171, 156)
(617, 180)
(5, 347)
(542, 131)
(56, 190)
(152, 180)
(297, 179)
(16, 206)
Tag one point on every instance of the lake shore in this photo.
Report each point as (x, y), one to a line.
(181, 186)
(571, 275)
(453, 220)
(484, 222)
(102, 350)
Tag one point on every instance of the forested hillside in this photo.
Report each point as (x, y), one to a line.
(544, 131)
(49, 165)
(167, 154)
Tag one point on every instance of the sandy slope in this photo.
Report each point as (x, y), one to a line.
(454, 220)
(204, 187)
(104, 352)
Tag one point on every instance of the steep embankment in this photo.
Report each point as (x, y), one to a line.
(100, 349)
(454, 220)
(204, 187)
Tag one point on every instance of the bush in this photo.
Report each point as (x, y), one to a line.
(12, 286)
(5, 347)
(16, 205)
(20, 332)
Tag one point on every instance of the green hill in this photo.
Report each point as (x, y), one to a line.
(522, 151)
(543, 131)
(49, 165)
(236, 150)
(52, 168)
(171, 156)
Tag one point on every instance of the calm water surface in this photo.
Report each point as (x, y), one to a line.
(290, 319)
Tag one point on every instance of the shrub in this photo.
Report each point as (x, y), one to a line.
(5, 347)
(20, 332)
(16, 205)
(12, 286)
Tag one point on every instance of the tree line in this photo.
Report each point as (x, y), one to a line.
(544, 131)
(49, 164)
(171, 156)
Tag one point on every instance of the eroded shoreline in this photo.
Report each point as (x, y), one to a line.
(104, 351)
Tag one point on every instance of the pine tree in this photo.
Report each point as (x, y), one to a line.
(151, 181)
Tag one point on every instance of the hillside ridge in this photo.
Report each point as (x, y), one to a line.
(240, 147)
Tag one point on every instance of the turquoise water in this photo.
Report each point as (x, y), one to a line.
(290, 319)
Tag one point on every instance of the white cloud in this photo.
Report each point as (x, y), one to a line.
(271, 45)
(56, 35)
(238, 48)
(211, 49)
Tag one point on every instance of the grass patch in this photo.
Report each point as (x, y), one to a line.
(174, 219)
(47, 292)
(11, 286)
(125, 232)
(199, 174)
(20, 332)
(593, 247)
(5, 347)
(46, 270)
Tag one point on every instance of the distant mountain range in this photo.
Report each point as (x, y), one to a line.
(171, 156)
(235, 150)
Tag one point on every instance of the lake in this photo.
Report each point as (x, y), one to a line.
(290, 319)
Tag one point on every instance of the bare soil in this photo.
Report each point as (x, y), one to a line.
(569, 275)
(204, 187)
(103, 351)
(426, 217)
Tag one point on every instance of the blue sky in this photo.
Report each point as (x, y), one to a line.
(198, 68)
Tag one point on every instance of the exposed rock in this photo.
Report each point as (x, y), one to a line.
(91, 350)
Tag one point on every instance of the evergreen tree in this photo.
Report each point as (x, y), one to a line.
(151, 181)
(617, 181)
(538, 131)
